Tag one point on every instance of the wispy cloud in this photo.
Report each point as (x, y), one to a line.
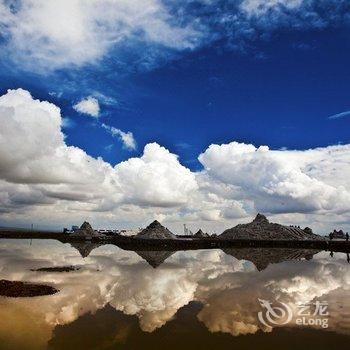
(340, 115)
(82, 32)
(127, 138)
(183, 145)
(108, 148)
(153, 31)
(106, 100)
(67, 123)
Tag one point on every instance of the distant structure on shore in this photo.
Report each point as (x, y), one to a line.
(107, 232)
(128, 232)
(339, 235)
(187, 231)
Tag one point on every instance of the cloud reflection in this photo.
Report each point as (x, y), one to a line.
(227, 288)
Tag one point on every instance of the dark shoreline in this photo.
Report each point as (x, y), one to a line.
(132, 243)
(19, 289)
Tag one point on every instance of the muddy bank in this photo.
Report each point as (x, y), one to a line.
(181, 243)
(57, 269)
(17, 289)
(22, 234)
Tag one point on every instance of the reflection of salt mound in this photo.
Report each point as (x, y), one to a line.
(156, 231)
(261, 228)
(84, 248)
(262, 257)
(154, 258)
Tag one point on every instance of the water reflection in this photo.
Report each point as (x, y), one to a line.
(124, 292)
(262, 257)
(84, 248)
(154, 258)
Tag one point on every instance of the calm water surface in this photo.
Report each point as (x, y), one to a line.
(204, 299)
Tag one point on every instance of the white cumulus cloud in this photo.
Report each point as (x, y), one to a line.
(276, 180)
(156, 177)
(89, 106)
(35, 157)
(43, 178)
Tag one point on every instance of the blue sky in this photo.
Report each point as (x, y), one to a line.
(185, 75)
(278, 91)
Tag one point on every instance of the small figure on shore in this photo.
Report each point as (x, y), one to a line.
(347, 236)
(331, 254)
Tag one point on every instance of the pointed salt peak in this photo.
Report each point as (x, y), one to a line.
(260, 218)
(155, 223)
(85, 226)
(156, 230)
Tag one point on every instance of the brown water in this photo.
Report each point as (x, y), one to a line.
(205, 299)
